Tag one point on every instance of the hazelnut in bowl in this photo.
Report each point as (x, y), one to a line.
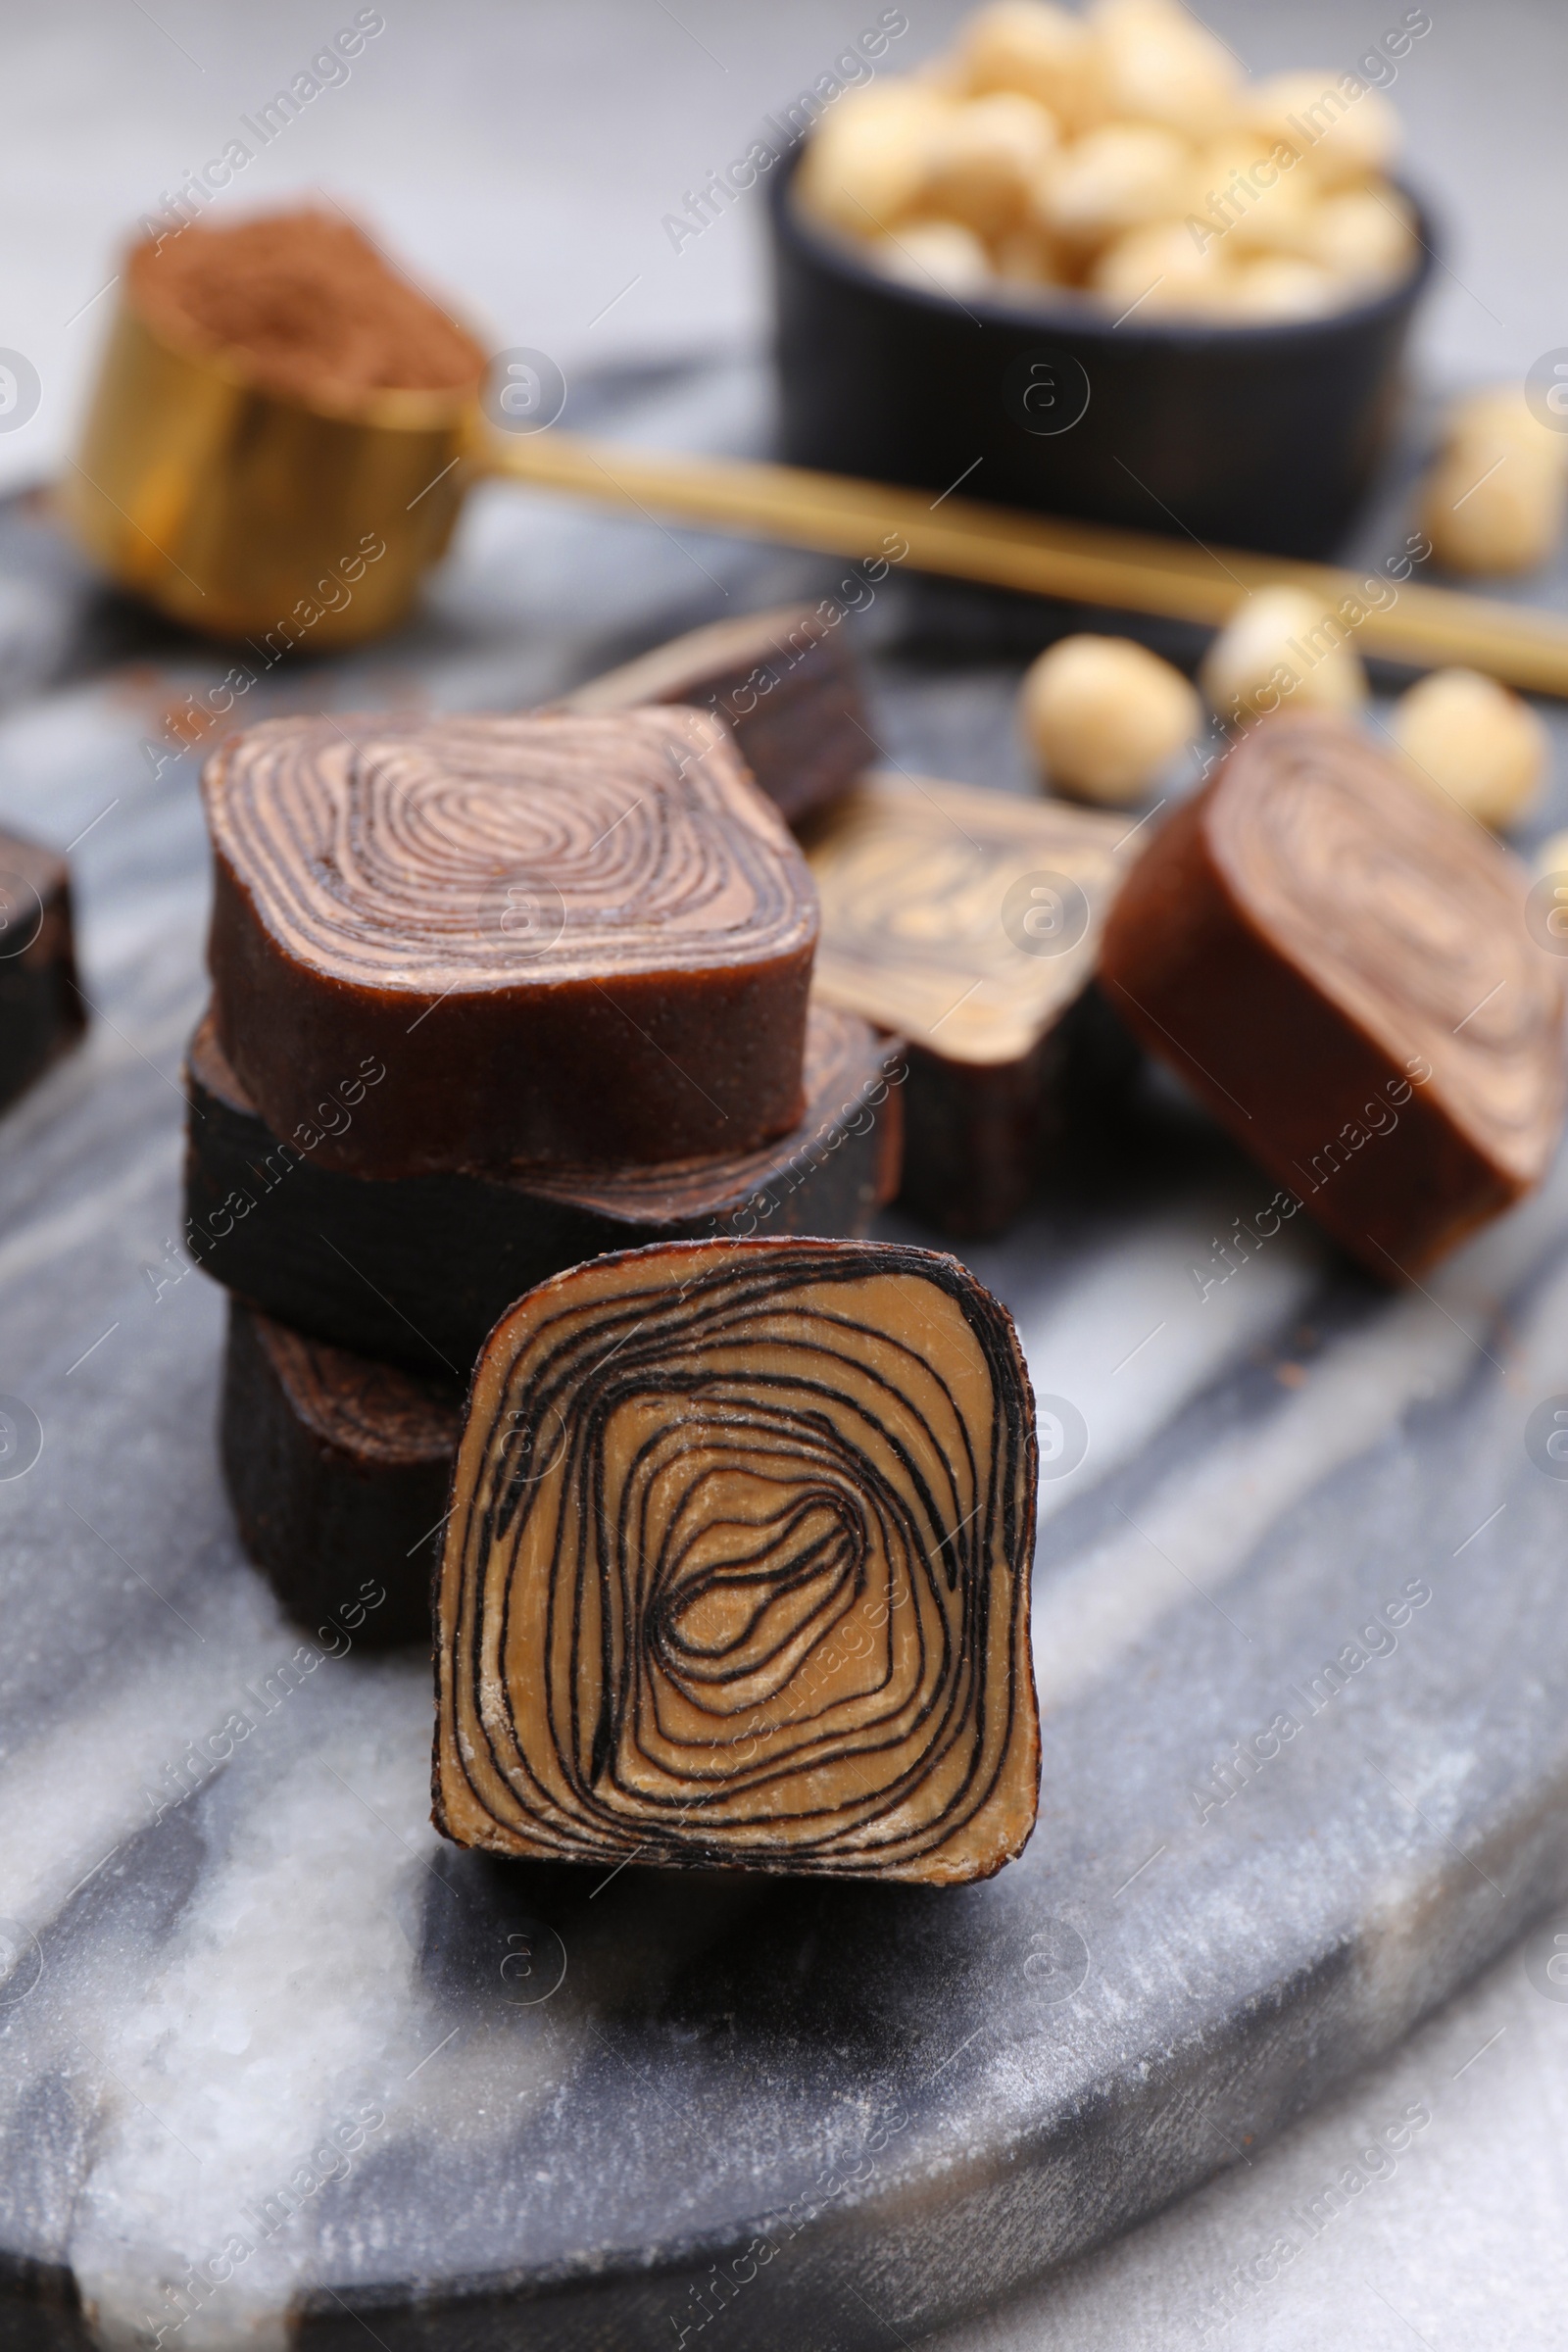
(1082, 264)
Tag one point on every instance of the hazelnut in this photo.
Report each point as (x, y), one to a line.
(985, 160)
(866, 165)
(1104, 715)
(1344, 140)
(1466, 736)
(1493, 504)
(1121, 178)
(1365, 237)
(1029, 46)
(1160, 64)
(1282, 648)
(936, 256)
(1025, 256)
(1278, 286)
(1501, 412)
(1241, 193)
(1162, 269)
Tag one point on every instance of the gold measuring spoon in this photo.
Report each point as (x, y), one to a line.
(248, 514)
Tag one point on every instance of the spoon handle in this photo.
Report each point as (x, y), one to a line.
(1078, 562)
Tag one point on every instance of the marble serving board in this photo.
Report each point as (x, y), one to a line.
(276, 2060)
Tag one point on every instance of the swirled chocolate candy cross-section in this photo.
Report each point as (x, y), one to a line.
(565, 939)
(1337, 962)
(737, 1569)
(969, 922)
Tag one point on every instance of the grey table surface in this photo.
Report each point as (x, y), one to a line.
(528, 155)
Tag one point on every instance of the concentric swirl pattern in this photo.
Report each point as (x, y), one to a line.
(1335, 960)
(737, 1569)
(1411, 916)
(407, 856)
(566, 938)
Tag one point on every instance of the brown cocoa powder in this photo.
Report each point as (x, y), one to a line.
(306, 302)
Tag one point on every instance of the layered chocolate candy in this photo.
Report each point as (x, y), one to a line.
(1337, 963)
(737, 1569)
(785, 685)
(419, 1269)
(970, 921)
(337, 1468)
(560, 939)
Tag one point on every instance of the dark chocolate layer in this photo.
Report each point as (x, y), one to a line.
(561, 938)
(784, 683)
(979, 1138)
(417, 1270)
(338, 1469)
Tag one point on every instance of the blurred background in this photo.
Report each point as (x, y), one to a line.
(524, 155)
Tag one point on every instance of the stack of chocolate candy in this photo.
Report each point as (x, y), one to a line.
(512, 1051)
(490, 997)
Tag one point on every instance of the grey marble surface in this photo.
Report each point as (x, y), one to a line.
(237, 1976)
(916, 2104)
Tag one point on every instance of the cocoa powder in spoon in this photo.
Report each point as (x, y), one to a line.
(307, 303)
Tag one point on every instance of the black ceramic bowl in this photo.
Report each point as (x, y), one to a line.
(1263, 436)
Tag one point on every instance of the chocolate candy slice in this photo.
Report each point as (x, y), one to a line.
(785, 685)
(338, 1469)
(737, 1570)
(41, 1012)
(969, 922)
(1336, 962)
(562, 939)
(417, 1270)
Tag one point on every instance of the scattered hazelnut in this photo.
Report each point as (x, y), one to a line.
(1281, 649)
(1104, 715)
(1501, 414)
(1466, 736)
(1494, 503)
